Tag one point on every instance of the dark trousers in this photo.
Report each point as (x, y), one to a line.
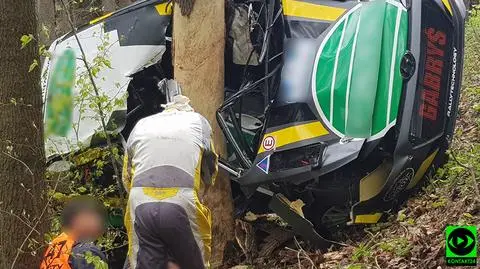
(163, 232)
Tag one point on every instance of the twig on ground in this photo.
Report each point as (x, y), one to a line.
(298, 260)
(305, 254)
(338, 243)
(376, 262)
(406, 231)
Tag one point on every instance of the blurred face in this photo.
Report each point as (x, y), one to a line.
(87, 225)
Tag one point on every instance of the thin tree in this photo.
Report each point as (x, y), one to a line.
(199, 41)
(123, 3)
(112, 5)
(22, 157)
(109, 5)
(46, 19)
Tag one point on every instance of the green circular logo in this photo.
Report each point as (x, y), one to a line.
(461, 241)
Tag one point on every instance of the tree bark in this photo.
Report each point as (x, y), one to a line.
(46, 18)
(109, 5)
(124, 3)
(112, 5)
(22, 157)
(199, 42)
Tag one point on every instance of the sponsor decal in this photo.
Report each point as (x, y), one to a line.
(339, 71)
(400, 183)
(269, 143)
(264, 164)
(434, 64)
(452, 83)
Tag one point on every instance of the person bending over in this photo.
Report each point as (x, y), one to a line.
(169, 156)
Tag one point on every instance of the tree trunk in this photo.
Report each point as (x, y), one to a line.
(112, 5)
(199, 42)
(109, 5)
(46, 18)
(22, 157)
(124, 3)
(61, 20)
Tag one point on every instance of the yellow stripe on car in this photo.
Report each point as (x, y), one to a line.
(422, 170)
(164, 9)
(372, 184)
(448, 6)
(311, 11)
(101, 18)
(295, 134)
(368, 219)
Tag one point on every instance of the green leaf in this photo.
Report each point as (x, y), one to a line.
(26, 39)
(45, 31)
(476, 107)
(401, 215)
(468, 215)
(97, 262)
(42, 50)
(107, 63)
(33, 66)
(58, 196)
(95, 71)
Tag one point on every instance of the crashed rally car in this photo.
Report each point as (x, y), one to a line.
(344, 105)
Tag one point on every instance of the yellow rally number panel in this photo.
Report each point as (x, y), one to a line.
(292, 135)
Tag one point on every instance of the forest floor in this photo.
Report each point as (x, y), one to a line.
(414, 237)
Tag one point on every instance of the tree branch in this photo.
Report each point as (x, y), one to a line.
(99, 106)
